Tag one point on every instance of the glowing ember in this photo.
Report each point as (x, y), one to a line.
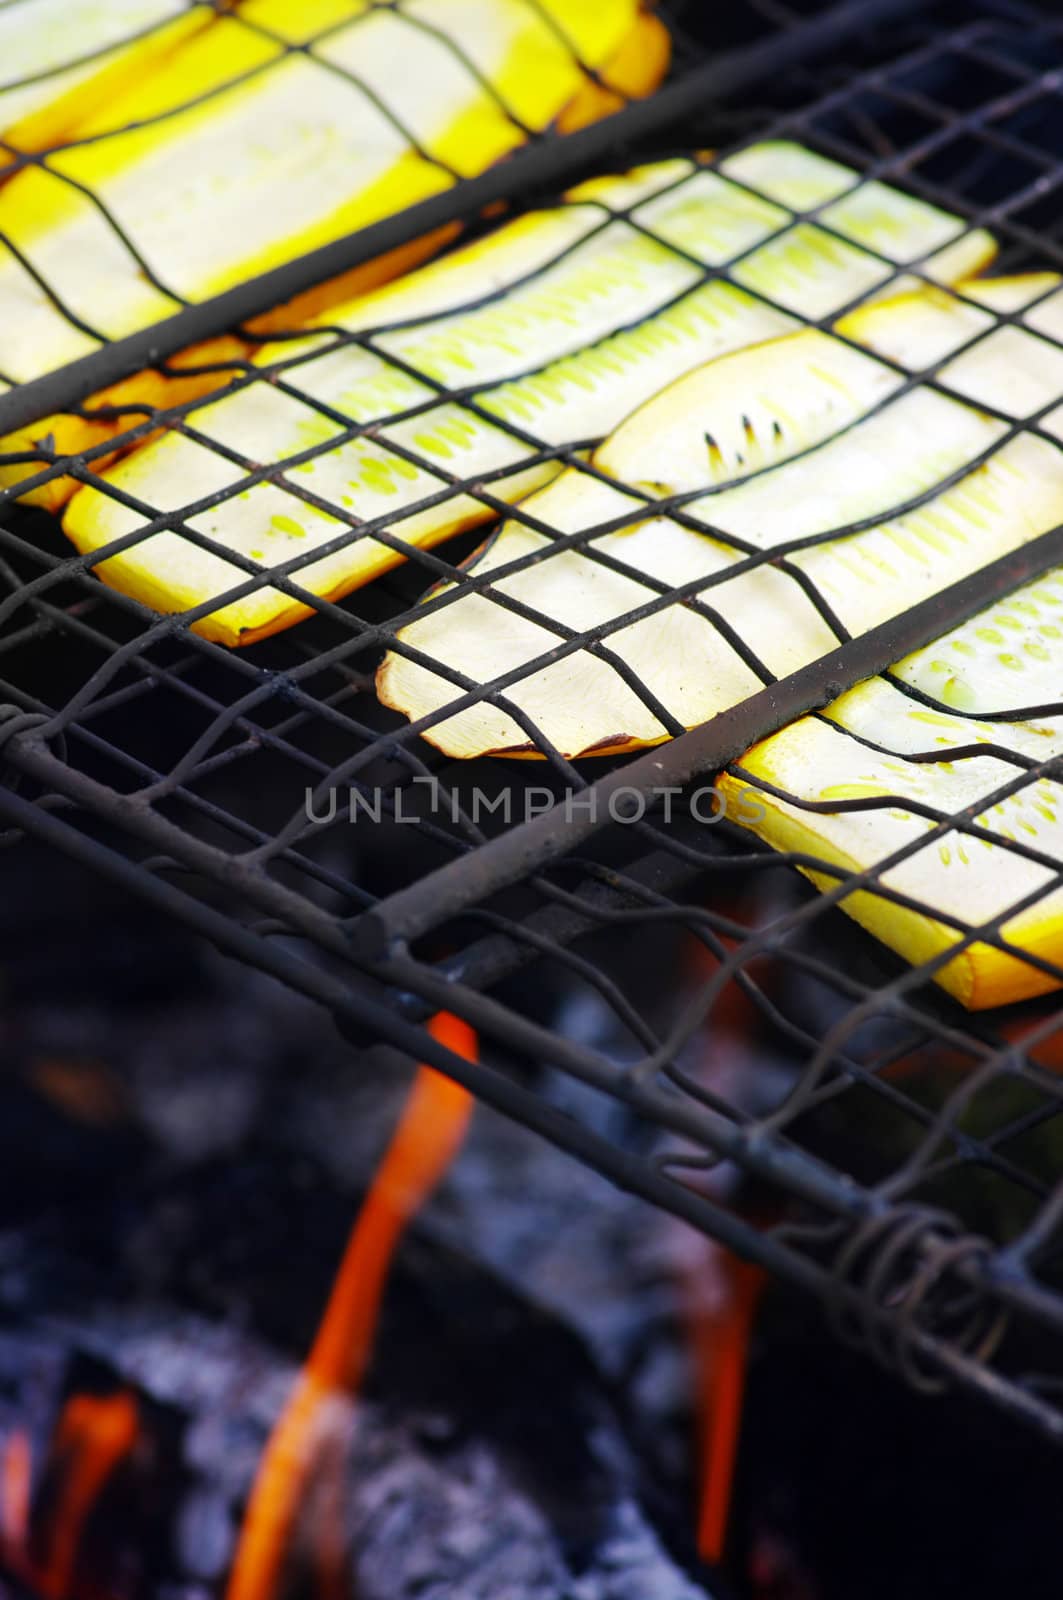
(308, 1435)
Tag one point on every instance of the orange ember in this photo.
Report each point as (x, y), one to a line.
(428, 1136)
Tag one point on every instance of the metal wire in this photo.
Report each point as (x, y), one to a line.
(913, 1143)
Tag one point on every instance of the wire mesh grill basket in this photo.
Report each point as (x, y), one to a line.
(901, 1147)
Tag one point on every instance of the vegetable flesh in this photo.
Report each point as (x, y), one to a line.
(884, 750)
(233, 155)
(823, 437)
(862, 750)
(276, 156)
(63, 60)
(616, 317)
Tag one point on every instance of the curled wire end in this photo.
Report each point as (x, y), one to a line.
(906, 1278)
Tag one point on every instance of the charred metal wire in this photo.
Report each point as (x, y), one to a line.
(182, 769)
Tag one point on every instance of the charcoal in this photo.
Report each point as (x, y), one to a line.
(486, 1455)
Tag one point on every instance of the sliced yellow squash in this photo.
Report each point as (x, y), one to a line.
(632, 72)
(62, 61)
(1008, 662)
(240, 154)
(607, 313)
(280, 152)
(861, 750)
(793, 439)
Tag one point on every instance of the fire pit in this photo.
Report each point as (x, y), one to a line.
(206, 1390)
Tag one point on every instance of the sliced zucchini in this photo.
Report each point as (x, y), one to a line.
(64, 60)
(1008, 660)
(900, 229)
(196, 371)
(632, 72)
(1006, 664)
(617, 317)
(273, 155)
(862, 750)
(794, 438)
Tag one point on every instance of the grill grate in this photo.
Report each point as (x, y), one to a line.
(183, 768)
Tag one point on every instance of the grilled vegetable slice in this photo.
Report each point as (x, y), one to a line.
(609, 315)
(277, 154)
(63, 60)
(636, 68)
(904, 766)
(200, 370)
(824, 437)
(273, 154)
